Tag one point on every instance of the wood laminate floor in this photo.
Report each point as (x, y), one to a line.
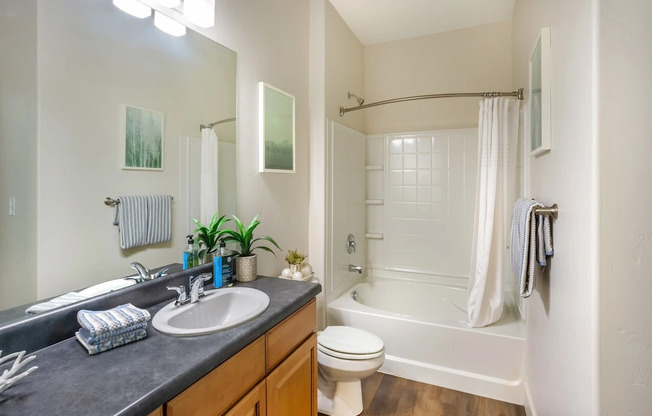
(385, 395)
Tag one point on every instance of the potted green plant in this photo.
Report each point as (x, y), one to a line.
(209, 237)
(294, 259)
(246, 263)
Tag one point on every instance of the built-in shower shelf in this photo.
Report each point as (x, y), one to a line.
(374, 202)
(374, 167)
(374, 236)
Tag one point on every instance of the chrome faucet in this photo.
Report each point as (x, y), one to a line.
(195, 290)
(353, 268)
(196, 285)
(144, 274)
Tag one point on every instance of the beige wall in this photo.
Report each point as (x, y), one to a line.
(625, 63)
(344, 70)
(467, 60)
(18, 156)
(561, 363)
(271, 39)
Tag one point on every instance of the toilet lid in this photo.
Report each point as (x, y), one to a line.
(346, 356)
(348, 340)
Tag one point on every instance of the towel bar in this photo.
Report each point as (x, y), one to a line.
(552, 211)
(113, 202)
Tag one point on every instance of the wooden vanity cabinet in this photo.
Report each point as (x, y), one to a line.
(276, 375)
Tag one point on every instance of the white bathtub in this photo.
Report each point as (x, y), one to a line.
(426, 338)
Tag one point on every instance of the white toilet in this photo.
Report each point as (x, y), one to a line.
(345, 356)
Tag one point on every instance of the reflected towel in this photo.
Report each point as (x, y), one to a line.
(159, 218)
(131, 219)
(111, 343)
(99, 323)
(143, 220)
(65, 299)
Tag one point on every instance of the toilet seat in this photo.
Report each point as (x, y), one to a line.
(349, 343)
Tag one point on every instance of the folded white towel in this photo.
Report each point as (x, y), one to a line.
(531, 242)
(65, 299)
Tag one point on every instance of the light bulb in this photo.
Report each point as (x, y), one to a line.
(169, 3)
(168, 25)
(200, 12)
(134, 8)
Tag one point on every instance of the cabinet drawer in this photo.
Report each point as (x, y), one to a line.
(220, 388)
(284, 337)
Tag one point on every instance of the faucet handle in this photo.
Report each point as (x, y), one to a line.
(196, 286)
(181, 292)
(160, 272)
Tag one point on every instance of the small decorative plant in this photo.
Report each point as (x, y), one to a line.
(244, 237)
(209, 237)
(295, 257)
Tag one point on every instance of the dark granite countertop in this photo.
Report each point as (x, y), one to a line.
(137, 378)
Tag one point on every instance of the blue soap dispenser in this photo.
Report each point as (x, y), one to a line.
(190, 256)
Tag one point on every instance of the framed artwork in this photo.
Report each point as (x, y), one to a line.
(539, 100)
(276, 130)
(142, 132)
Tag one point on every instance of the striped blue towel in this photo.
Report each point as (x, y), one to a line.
(86, 334)
(531, 243)
(99, 323)
(131, 219)
(144, 220)
(111, 343)
(159, 219)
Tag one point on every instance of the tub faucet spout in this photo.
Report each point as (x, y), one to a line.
(353, 268)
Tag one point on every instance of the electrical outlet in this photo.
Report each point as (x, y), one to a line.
(12, 206)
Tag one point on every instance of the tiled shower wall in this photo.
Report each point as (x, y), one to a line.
(421, 200)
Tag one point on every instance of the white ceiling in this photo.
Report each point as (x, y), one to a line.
(376, 21)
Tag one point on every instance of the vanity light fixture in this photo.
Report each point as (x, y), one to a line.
(134, 8)
(168, 25)
(200, 12)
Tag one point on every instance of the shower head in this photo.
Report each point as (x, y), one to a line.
(358, 99)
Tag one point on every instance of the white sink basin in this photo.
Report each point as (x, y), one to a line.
(218, 310)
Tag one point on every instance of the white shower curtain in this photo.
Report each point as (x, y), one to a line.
(208, 176)
(495, 194)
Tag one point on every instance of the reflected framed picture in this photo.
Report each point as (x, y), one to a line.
(539, 99)
(276, 130)
(142, 133)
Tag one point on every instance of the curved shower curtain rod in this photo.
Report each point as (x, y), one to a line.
(215, 123)
(518, 94)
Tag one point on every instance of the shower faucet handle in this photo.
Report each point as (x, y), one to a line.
(350, 244)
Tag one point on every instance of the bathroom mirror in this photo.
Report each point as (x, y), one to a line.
(67, 69)
(276, 124)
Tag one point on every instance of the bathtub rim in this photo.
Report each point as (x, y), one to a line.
(345, 302)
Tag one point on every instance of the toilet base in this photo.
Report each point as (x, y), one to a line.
(342, 398)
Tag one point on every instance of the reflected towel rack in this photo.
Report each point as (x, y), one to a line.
(552, 211)
(113, 202)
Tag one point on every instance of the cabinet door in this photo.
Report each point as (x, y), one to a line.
(253, 404)
(292, 387)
